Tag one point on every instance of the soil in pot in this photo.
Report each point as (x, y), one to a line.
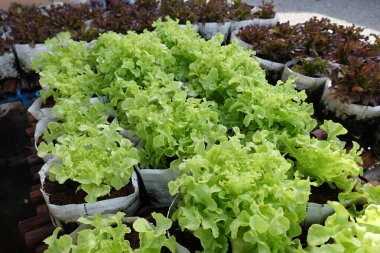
(49, 103)
(133, 238)
(185, 238)
(323, 193)
(64, 194)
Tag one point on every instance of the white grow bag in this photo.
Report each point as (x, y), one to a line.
(265, 64)
(25, 53)
(344, 110)
(236, 25)
(194, 26)
(8, 66)
(209, 30)
(38, 113)
(72, 212)
(156, 185)
(302, 82)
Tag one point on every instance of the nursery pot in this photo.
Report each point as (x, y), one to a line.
(209, 30)
(239, 41)
(273, 69)
(25, 53)
(68, 213)
(302, 82)
(38, 113)
(360, 118)
(194, 26)
(8, 66)
(236, 25)
(312, 85)
(156, 185)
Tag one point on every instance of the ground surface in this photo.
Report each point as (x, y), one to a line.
(365, 13)
(15, 180)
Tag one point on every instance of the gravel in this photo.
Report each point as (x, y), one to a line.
(364, 13)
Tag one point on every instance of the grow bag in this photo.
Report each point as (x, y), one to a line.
(25, 53)
(344, 110)
(8, 66)
(38, 113)
(129, 221)
(209, 30)
(302, 82)
(156, 185)
(61, 214)
(236, 25)
(239, 41)
(265, 64)
(194, 26)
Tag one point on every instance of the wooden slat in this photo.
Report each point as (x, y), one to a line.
(35, 196)
(36, 176)
(35, 187)
(36, 236)
(30, 131)
(33, 223)
(41, 248)
(35, 169)
(34, 160)
(42, 209)
(31, 119)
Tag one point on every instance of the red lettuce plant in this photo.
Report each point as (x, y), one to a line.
(181, 10)
(266, 10)
(279, 44)
(358, 82)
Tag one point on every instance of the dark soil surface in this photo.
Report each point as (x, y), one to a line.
(322, 194)
(63, 194)
(185, 238)
(49, 103)
(133, 238)
(15, 180)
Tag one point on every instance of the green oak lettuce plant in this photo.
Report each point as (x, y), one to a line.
(99, 159)
(324, 161)
(107, 234)
(74, 114)
(230, 77)
(66, 69)
(172, 126)
(243, 194)
(344, 232)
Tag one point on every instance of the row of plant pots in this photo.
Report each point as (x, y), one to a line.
(353, 65)
(202, 162)
(86, 23)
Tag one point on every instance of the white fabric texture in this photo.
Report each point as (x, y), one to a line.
(344, 110)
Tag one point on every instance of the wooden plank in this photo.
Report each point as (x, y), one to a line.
(35, 169)
(34, 160)
(36, 236)
(33, 223)
(31, 119)
(42, 209)
(35, 196)
(30, 131)
(41, 248)
(35, 187)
